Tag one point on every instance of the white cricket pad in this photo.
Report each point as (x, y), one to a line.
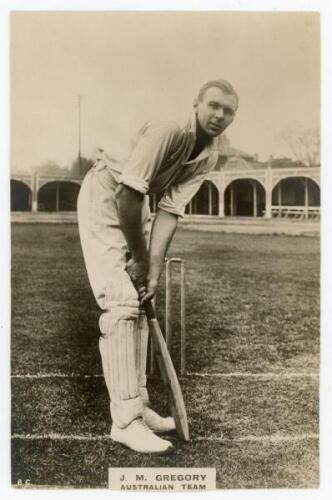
(117, 348)
(141, 338)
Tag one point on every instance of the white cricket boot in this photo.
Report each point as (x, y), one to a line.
(157, 423)
(138, 437)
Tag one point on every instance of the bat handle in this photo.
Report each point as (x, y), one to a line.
(149, 310)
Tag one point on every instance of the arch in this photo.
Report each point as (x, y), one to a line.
(20, 196)
(205, 201)
(24, 180)
(213, 181)
(297, 175)
(259, 178)
(245, 197)
(42, 181)
(296, 191)
(57, 196)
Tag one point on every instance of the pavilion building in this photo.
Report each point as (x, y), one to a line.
(239, 186)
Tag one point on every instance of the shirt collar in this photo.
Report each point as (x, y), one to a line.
(191, 130)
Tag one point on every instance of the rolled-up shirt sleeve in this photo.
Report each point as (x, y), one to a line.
(178, 196)
(153, 144)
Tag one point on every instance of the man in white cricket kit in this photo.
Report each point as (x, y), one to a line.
(124, 261)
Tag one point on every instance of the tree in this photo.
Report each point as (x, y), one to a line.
(80, 167)
(50, 168)
(304, 145)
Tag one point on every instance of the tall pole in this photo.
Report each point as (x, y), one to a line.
(306, 198)
(79, 136)
(210, 198)
(232, 199)
(254, 187)
(57, 197)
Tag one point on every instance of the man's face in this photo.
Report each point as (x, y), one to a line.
(215, 111)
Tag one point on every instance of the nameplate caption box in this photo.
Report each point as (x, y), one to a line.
(161, 479)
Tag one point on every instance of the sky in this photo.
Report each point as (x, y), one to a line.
(130, 67)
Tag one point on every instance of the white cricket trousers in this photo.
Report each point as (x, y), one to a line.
(123, 325)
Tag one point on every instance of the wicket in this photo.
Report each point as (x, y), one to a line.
(169, 263)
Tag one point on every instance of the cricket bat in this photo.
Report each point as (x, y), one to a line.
(168, 373)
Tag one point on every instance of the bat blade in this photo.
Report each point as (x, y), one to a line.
(170, 379)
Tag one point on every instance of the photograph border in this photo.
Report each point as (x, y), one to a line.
(326, 234)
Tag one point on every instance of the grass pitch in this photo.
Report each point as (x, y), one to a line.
(253, 361)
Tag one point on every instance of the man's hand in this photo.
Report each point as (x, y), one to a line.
(146, 276)
(150, 290)
(138, 272)
(143, 267)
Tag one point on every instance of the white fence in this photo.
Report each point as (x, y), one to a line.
(295, 212)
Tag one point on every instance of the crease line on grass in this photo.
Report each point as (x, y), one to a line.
(268, 375)
(55, 375)
(274, 438)
(255, 375)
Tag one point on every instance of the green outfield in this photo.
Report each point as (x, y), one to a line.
(252, 361)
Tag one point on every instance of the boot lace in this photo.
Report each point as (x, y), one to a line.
(139, 422)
